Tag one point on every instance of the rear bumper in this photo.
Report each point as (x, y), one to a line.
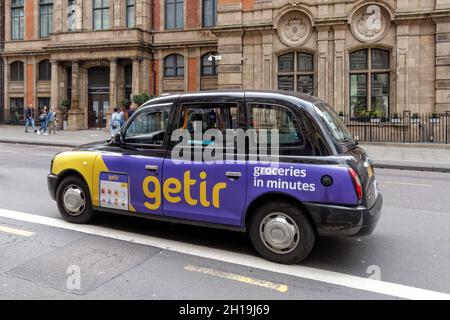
(345, 221)
(52, 182)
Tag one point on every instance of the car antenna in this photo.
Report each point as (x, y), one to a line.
(317, 85)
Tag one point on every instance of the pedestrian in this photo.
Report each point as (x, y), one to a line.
(43, 120)
(123, 115)
(131, 110)
(51, 121)
(29, 118)
(114, 123)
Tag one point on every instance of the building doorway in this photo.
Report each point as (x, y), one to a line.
(98, 96)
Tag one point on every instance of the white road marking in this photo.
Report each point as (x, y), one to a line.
(409, 184)
(16, 232)
(330, 277)
(237, 277)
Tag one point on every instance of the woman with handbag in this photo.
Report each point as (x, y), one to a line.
(114, 123)
(43, 120)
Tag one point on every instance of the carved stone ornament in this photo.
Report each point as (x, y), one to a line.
(294, 28)
(370, 23)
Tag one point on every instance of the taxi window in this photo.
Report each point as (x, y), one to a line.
(148, 127)
(272, 117)
(220, 116)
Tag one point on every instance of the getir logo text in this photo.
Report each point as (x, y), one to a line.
(173, 190)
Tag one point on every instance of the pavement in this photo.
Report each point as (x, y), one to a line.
(419, 157)
(119, 257)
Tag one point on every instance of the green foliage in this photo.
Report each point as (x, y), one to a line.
(435, 115)
(376, 113)
(65, 104)
(415, 116)
(141, 98)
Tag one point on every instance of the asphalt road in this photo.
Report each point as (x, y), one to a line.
(155, 260)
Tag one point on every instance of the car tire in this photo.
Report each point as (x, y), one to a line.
(74, 200)
(281, 232)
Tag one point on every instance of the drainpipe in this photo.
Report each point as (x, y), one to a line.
(242, 58)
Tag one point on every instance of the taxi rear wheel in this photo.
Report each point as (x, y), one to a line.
(281, 233)
(74, 200)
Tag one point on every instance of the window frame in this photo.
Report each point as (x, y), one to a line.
(299, 130)
(213, 13)
(296, 73)
(45, 11)
(129, 7)
(175, 4)
(49, 70)
(176, 67)
(102, 8)
(21, 75)
(151, 109)
(20, 18)
(21, 114)
(369, 72)
(214, 65)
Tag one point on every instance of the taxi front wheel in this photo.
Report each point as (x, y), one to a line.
(281, 233)
(74, 200)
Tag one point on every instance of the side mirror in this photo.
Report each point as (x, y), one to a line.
(117, 140)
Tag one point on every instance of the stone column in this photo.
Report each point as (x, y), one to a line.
(136, 89)
(55, 99)
(322, 63)
(5, 87)
(402, 66)
(76, 115)
(339, 70)
(113, 103)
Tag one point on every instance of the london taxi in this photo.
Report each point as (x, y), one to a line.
(323, 183)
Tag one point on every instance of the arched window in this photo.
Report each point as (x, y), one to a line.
(209, 10)
(174, 14)
(130, 14)
(16, 71)
(45, 18)
(209, 64)
(369, 81)
(174, 66)
(44, 71)
(17, 20)
(296, 72)
(101, 14)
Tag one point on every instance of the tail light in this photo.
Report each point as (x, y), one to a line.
(356, 183)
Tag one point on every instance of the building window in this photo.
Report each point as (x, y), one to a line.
(296, 72)
(71, 15)
(101, 14)
(209, 13)
(16, 109)
(16, 71)
(209, 64)
(369, 82)
(130, 14)
(174, 14)
(174, 66)
(46, 18)
(44, 71)
(17, 20)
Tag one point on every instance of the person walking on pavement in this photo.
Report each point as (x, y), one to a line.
(43, 120)
(123, 115)
(51, 121)
(114, 123)
(29, 118)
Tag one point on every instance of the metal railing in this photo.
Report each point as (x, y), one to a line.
(400, 127)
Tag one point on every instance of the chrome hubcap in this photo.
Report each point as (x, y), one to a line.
(74, 200)
(279, 233)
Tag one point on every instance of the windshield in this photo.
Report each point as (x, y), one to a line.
(333, 123)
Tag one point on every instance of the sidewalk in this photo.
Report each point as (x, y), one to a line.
(396, 156)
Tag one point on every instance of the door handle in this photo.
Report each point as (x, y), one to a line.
(233, 175)
(151, 168)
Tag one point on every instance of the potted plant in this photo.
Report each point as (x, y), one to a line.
(65, 106)
(415, 118)
(375, 115)
(395, 118)
(434, 117)
(141, 98)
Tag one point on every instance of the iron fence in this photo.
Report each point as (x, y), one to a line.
(404, 127)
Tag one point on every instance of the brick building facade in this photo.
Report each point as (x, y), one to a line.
(389, 55)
